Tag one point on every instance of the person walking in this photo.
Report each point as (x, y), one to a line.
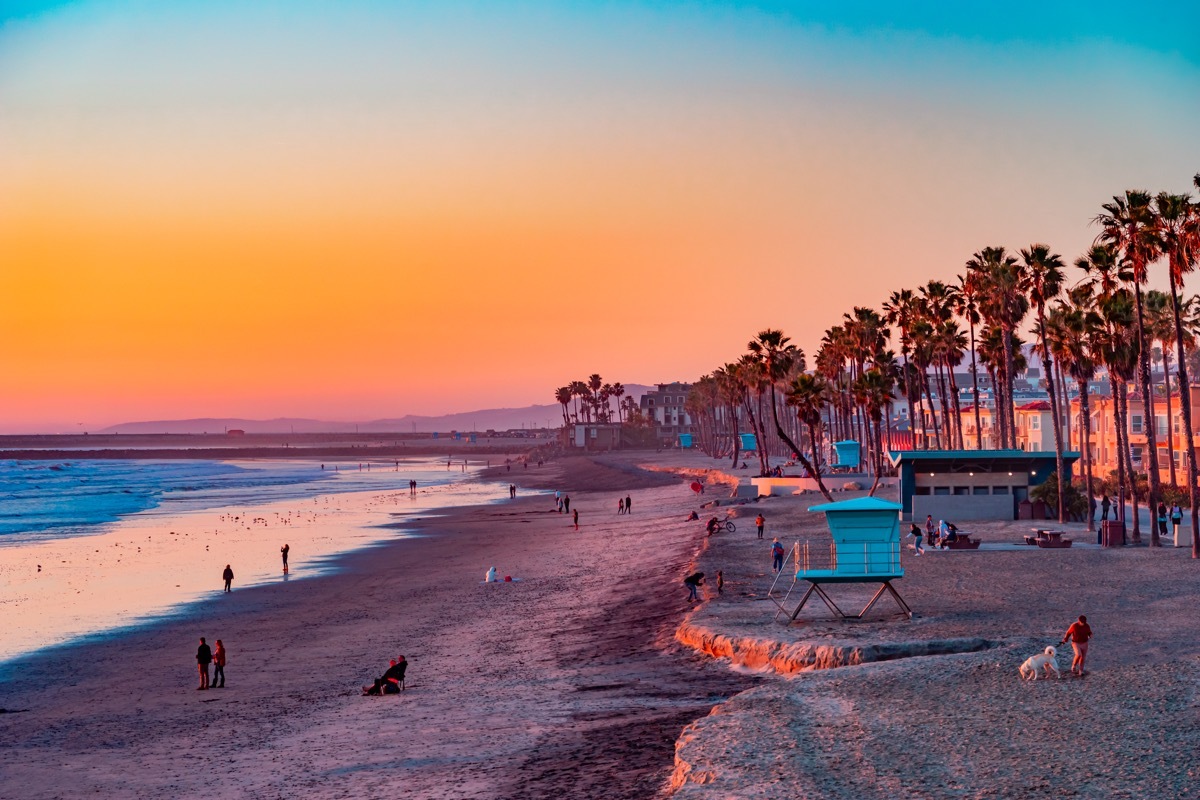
(777, 555)
(203, 659)
(1176, 521)
(760, 521)
(1162, 518)
(575, 514)
(692, 582)
(1079, 633)
(218, 678)
(283, 551)
(227, 576)
(620, 506)
(628, 504)
(1105, 505)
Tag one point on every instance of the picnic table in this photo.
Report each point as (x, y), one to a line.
(1047, 539)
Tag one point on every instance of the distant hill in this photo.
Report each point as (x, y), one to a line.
(535, 416)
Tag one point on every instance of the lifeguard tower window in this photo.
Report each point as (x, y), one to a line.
(962, 489)
(941, 490)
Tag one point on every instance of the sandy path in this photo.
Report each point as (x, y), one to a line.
(565, 683)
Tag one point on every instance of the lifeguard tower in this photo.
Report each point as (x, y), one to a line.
(865, 549)
(848, 455)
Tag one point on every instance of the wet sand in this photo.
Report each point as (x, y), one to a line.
(564, 683)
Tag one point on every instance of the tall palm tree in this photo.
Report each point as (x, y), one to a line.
(1177, 223)
(966, 305)
(1076, 331)
(777, 357)
(1128, 224)
(899, 310)
(1160, 327)
(874, 388)
(618, 391)
(563, 396)
(1041, 279)
(1003, 305)
(809, 394)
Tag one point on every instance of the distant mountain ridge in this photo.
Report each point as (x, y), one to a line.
(500, 419)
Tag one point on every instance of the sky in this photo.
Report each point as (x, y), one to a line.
(358, 210)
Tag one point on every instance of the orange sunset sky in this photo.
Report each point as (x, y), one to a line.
(365, 210)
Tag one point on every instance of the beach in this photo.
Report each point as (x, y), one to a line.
(590, 675)
(565, 681)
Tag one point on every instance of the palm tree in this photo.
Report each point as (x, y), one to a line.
(578, 391)
(808, 394)
(618, 391)
(777, 357)
(563, 396)
(1160, 327)
(1177, 223)
(1003, 305)
(1077, 326)
(874, 390)
(594, 384)
(1128, 225)
(900, 309)
(1041, 278)
(966, 305)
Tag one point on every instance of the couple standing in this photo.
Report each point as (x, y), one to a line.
(206, 656)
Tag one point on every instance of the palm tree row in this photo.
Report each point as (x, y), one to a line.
(590, 400)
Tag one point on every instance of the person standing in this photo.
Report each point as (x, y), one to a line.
(283, 551)
(203, 659)
(777, 555)
(1162, 518)
(628, 504)
(929, 529)
(1080, 633)
(760, 521)
(567, 503)
(575, 513)
(620, 506)
(692, 582)
(218, 678)
(1176, 521)
(227, 576)
(720, 582)
(1105, 505)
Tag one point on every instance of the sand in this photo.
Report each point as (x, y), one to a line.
(959, 723)
(564, 683)
(591, 676)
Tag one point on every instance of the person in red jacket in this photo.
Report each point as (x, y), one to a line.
(1079, 633)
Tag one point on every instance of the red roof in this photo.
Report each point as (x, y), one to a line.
(1036, 405)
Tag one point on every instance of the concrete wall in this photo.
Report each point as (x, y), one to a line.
(957, 508)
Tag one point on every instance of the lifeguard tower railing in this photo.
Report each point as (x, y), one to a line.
(859, 558)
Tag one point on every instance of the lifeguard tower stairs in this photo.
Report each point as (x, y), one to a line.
(865, 549)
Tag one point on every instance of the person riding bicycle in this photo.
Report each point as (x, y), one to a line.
(713, 526)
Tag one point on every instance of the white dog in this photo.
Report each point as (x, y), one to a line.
(1043, 662)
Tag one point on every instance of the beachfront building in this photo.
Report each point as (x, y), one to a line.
(594, 436)
(664, 406)
(1168, 422)
(1035, 427)
(961, 485)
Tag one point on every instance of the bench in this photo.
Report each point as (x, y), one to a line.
(964, 542)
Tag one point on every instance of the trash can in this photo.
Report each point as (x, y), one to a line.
(1113, 533)
(1024, 510)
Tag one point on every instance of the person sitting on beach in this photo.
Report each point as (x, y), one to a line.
(692, 517)
(392, 681)
(692, 582)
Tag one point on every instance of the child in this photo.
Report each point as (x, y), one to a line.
(720, 582)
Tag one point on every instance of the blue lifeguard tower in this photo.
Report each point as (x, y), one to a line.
(749, 442)
(848, 454)
(865, 549)
(685, 440)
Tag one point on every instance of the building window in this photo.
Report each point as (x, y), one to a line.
(1160, 425)
(1135, 423)
(962, 489)
(1135, 453)
(1175, 427)
(1035, 423)
(999, 490)
(979, 490)
(941, 490)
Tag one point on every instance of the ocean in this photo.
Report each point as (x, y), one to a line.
(90, 547)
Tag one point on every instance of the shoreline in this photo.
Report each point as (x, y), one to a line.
(564, 680)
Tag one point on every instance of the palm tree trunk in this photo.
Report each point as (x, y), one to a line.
(876, 460)
(1123, 391)
(1185, 408)
(1166, 351)
(1148, 401)
(1086, 450)
(1065, 405)
(1048, 371)
(811, 467)
(1120, 428)
(975, 391)
(937, 432)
